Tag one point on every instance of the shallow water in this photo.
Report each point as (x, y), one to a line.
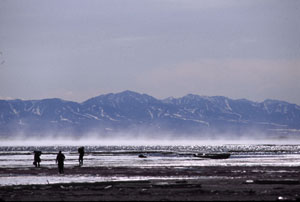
(40, 180)
(115, 156)
(127, 156)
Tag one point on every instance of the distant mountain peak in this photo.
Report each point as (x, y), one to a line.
(273, 101)
(192, 96)
(129, 92)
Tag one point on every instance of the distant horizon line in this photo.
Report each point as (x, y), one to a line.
(124, 91)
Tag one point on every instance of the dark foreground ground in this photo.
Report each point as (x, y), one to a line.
(214, 184)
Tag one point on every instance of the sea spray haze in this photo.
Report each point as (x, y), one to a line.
(130, 114)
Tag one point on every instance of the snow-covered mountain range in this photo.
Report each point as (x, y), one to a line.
(136, 113)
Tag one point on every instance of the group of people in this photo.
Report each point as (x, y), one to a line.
(60, 158)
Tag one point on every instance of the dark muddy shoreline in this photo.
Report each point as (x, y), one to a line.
(216, 183)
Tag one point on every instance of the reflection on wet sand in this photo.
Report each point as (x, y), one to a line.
(255, 172)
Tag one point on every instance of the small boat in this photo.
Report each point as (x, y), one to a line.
(142, 156)
(213, 156)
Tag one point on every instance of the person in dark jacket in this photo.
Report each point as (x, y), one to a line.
(60, 158)
(37, 158)
(81, 154)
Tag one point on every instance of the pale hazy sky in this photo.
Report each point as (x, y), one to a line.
(77, 49)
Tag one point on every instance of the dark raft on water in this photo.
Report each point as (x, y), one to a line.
(213, 156)
(142, 156)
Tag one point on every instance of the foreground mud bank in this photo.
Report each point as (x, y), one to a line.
(219, 183)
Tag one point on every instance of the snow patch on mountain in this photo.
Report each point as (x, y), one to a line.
(13, 109)
(36, 111)
(227, 105)
(64, 119)
(92, 116)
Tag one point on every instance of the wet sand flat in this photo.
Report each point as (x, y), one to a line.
(205, 183)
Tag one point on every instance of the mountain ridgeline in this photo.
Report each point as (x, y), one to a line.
(131, 112)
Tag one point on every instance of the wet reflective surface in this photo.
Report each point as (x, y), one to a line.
(179, 157)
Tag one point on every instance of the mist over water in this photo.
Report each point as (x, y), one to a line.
(94, 139)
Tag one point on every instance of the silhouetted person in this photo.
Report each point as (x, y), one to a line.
(60, 158)
(81, 154)
(37, 158)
